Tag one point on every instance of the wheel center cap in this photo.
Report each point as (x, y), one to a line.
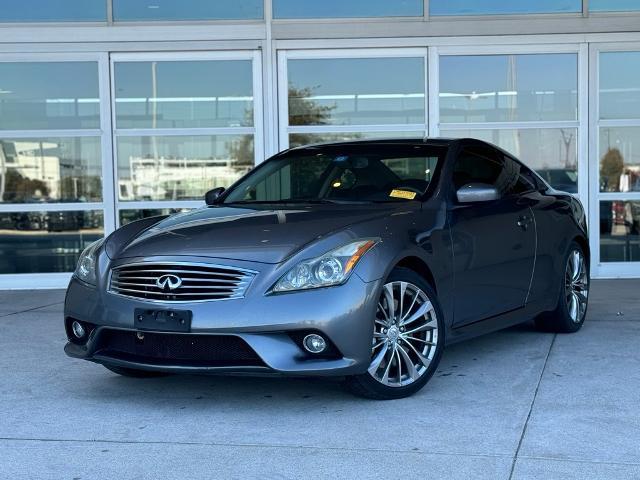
(393, 333)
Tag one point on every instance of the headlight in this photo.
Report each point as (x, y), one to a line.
(86, 269)
(332, 268)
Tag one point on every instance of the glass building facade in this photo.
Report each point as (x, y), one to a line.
(116, 110)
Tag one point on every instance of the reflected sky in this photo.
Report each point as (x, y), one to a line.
(132, 10)
(498, 7)
(508, 87)
(613, 5)
(49, 95)
(54, 11)
(348, 8)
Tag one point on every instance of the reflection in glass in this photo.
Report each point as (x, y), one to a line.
(613, 5)
(620, 159)
(39, 242)
(502, 7)
(550, 152)
(352, 8)
(180, 167)
(140, 10)
(184, 94)
(299, 139)
(619, 231)
(503, 88)
(356, 91)
(128, 216)
(620, 85)
(50, 170)
(48, 11)
(47, 95)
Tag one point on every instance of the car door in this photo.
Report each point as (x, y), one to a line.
(493, 241)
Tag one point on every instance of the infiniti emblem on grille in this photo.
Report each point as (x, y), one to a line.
(168, 282)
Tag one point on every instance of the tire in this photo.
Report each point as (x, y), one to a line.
(574, 293)
(134, 373)
(402, 346)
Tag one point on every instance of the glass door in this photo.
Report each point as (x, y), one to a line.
(615, 159)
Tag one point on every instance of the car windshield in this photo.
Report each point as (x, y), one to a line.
(341, 174)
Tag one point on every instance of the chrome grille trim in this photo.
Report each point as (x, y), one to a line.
(200, 282)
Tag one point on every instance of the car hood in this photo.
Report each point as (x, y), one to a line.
(267, 235)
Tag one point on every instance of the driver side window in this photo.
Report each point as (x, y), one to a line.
(477, 165)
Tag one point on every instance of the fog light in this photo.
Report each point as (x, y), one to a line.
(314, 343)
(78, 329)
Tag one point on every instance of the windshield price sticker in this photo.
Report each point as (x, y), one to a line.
(403, 194)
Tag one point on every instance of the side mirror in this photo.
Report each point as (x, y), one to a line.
(477, 192)
(211, 197)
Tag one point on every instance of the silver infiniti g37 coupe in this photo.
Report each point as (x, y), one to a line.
(361, 260)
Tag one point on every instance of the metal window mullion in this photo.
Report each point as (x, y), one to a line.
(10, 134)
(621, 196)
(109, 12)
(433, 92)
(593, 159)
(50, 207)
(159, 204)
(173, 132)
(612, 123)
(107, 157)
(356, 128)
(510, 125)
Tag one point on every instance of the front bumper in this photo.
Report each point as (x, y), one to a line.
(270, 325)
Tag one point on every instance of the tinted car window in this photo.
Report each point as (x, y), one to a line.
(333, 174)
(477, 165)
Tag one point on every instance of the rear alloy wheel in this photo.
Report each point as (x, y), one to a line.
(571, 310)
(407, 339)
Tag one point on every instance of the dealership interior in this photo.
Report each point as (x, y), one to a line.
(115, 110)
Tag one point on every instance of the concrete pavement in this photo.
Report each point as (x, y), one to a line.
(516, 404)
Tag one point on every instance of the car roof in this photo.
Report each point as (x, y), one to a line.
(430, 141)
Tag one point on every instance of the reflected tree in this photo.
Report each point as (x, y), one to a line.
(611, 167)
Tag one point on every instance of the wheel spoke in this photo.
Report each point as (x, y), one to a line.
(424, 360)
(576, 262)
(385, 377)
(388, 295)
(420, 312)
(384, 312)
(403, 290)
(413, 302)
(422, 328)
(426, 342)
(375, 364)
(573, 307)
(399, 360)
(411, 368)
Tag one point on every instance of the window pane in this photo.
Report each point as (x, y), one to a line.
(180, 167)
(351, 8)
(299, 139)
(54, 11)
(620, 159)
(45, 95)
(620, 85)
(550, 152)
(38, 242)
(140, 10)
(50, 170)
(503, 88)
(619, 231)
(500, 7)
(613, 5)
(128, 216)
(356, 91)
(184, 94)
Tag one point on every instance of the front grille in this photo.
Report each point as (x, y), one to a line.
(177, 349)
(197, 282)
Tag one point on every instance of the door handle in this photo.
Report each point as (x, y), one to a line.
(524, 221)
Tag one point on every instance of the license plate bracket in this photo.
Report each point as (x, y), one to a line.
(163, 320)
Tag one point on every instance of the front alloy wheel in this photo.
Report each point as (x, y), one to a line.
(407, 338)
